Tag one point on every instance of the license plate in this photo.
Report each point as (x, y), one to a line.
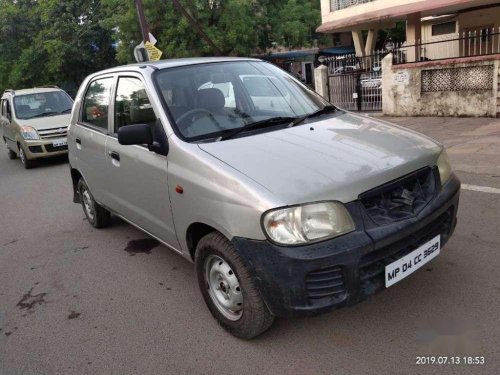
(60, 142)
(408, 264)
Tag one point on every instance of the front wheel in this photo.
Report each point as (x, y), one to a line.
(228, 288)
(28, 164)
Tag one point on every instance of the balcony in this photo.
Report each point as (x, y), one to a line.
(342, 4)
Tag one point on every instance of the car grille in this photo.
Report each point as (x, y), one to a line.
(326, 282)
(36, 149)
(402, 198)
(53, 133)
(372, 266)
(51, 148)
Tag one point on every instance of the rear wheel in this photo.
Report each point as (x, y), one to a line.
(228, 288)
(96, 215)
(28, 164)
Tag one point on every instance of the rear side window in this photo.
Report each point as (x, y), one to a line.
(96, 103)
(132, 105)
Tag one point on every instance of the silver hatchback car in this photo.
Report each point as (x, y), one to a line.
(287, 205)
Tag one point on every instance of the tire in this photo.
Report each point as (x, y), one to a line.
(12, 154)
(96, 215)
(28, 164)
(215, 255)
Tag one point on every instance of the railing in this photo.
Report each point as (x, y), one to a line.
(342, 4)
(344, 64)
(465, 44)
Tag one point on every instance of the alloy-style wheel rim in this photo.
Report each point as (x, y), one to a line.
(87, 203)
(21, 155)
(223, 287)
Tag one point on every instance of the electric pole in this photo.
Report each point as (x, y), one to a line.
(142, 20)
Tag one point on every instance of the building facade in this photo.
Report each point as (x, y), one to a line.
(449, 64)
(369, 16)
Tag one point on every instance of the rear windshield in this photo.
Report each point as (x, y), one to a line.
(42, 104)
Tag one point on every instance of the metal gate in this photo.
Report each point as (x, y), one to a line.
(355, 83)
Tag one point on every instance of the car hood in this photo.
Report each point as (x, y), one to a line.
(335, 158)
(42, 123)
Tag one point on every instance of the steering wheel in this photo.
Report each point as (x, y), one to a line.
(191, 112)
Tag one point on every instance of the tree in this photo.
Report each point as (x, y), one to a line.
(237, 27)
(52, 42)
(296, 23)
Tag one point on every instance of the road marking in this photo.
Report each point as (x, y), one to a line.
(483, 189)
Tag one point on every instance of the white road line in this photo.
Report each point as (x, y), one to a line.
(483, 189)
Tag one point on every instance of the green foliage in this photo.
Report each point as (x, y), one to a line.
(296, 23)
(53, 42)
(397, 34)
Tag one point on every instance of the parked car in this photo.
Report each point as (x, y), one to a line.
(345, 69)
(287, 212)
(371, 83)
(35, 123)
(260, 88)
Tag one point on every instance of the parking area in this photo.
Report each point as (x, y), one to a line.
(76, 300)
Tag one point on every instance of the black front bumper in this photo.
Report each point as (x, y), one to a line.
(312, 279)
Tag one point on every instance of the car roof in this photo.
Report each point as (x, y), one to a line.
(171, 63)
(34, 90)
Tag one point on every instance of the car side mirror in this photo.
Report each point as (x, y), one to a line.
(139, 134)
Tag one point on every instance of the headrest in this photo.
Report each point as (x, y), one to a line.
(210, 99)
(142, 114)
(179, 98)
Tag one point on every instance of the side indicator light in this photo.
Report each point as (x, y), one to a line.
(179, 189)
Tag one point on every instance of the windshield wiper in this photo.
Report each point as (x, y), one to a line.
(322, 111)
(256, 125)
(43, 114)
(65, 111)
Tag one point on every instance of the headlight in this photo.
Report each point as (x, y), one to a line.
(29, 133)
(444, 166)
(307, 223)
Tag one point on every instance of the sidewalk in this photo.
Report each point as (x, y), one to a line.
(473, 144)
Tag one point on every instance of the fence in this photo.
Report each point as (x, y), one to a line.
(355, 82)
(469, 43)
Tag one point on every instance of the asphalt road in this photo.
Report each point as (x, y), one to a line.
(74, 301)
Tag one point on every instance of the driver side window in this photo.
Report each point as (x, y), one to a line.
(132, 105)
(6, 109)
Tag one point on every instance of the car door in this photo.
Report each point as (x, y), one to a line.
(90, 135)
(139, 187)
(6, 123)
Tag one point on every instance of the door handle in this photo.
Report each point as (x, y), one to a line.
(114, 155)
(78, 141)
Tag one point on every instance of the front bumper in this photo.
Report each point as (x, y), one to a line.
(43, 148)
(316, 278)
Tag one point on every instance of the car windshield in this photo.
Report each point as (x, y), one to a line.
(42, 104)
(208, 101)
